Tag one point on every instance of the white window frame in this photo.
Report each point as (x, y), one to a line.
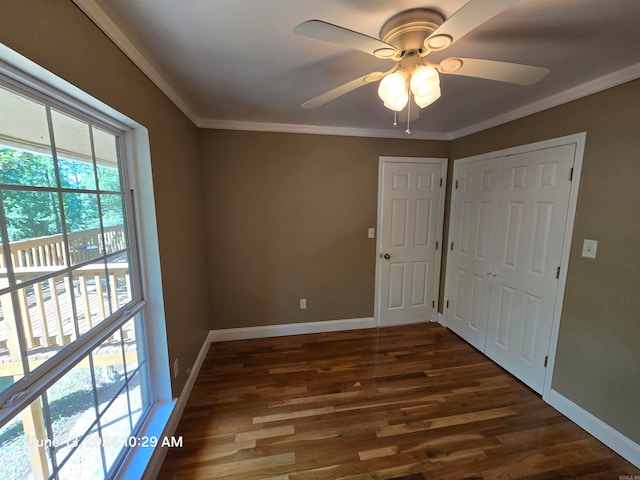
(23, 72)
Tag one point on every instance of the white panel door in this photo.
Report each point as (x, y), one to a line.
(410, 213)
(470, 255)
(534, 201)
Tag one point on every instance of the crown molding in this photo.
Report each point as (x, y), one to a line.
(589, 88)
(104, 22)
(319, 130)
(92, 10)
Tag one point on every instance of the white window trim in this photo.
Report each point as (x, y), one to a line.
(26, 72)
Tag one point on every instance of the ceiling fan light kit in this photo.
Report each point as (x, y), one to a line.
(426, 100)
(422, 81)
(393, 91)
(408, 38)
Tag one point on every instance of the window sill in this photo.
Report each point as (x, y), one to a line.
(143, 459)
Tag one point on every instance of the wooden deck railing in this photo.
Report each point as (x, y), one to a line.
(49, 251)
(46, 307)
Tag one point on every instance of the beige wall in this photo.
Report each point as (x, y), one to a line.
(287, 218)
(598, 358)
(58, 36)
(286, 215)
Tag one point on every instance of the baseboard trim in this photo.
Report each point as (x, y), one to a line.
(613, 439)
(155, 463)
(282, 330)
(441, 319)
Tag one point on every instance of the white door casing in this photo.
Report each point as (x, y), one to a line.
(410, 218)
(503, 290)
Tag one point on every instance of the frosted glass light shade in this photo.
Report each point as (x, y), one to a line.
(393, 90)
(424, 80)
(399, 103)
(428, 99)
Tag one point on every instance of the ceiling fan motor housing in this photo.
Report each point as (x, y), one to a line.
(407, 30)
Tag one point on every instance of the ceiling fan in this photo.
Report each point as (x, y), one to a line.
(408, 38)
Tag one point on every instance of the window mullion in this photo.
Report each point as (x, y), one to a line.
(17, 314)
(63, 224)
(104, 244)
(97, 409)
(134, 259)
(130, 223)
(63, 219)
(46, 413)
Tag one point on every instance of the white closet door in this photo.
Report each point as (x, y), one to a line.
(534, 201)
(410, 215)
(471, 258)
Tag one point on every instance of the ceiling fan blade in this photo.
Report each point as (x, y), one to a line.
(494, 70)
(343, 36)
(341, 90)
(473, 14)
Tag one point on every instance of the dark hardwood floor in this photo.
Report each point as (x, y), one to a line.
(411, 402)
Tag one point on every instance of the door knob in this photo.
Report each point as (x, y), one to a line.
(386, 256)
(494, 273)
(489, 272)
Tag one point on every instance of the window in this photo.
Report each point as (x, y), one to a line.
(75, 380)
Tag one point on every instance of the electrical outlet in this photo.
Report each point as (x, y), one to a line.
(303, 303)
(371, 233)
(176, 368)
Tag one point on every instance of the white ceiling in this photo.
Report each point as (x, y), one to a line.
(238, 64)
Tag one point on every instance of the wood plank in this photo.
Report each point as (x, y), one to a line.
(265, 433)
(397, 403)
(42, 314)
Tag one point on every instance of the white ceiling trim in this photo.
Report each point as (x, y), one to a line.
(102, 20)
(594, 86)
(319, 130)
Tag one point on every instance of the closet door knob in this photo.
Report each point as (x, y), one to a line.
(494, 273)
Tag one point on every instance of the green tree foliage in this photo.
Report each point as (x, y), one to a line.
(37, 213)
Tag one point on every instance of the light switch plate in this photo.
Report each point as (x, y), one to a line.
(589, 248)
(371, 233)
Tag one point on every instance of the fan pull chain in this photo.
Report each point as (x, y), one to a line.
(395, 118)
(408, 130)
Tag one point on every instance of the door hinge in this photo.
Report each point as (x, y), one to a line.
(456, 184)
(447, 303)
(433, 304)
(571, 174)
(558, 273)
(440, 182)
(451, 246)
(546, 360)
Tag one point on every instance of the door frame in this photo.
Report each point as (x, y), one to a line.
(385, 160)
(579, 140)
